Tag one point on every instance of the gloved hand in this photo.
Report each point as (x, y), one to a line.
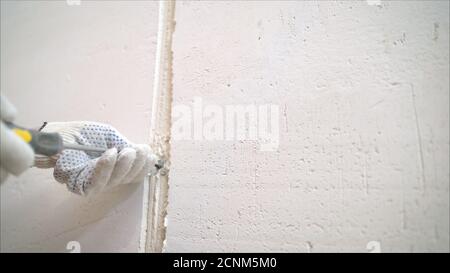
(86, 173)
(16, 155)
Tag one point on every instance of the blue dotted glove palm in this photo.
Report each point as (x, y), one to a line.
(87, 173)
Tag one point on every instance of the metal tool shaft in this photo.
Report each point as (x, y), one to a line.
(85, 148)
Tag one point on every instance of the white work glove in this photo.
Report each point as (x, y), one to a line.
(16, 155)
(87, 173)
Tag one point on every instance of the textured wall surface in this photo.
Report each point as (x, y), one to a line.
(362, 90)
(363, 96)
(60, 62)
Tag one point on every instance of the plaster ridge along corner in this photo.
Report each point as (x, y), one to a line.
(156, 190)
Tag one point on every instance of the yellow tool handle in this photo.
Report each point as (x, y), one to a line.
(42, 143)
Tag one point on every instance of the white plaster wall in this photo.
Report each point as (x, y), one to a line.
(60, 62)
(363, 91)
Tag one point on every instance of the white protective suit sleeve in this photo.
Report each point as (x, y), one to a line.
(16, 156)
(87, 173)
